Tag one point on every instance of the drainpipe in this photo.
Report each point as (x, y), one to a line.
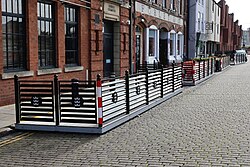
(131, 35)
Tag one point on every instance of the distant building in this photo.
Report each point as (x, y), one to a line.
(159, 31)
(197, 24)
(213, 17)
(246, 38)
(231, 32)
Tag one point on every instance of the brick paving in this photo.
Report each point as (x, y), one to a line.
(206, 125)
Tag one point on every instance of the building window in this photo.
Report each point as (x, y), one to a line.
(172, 43)
(172, 6)
(180, 39)
(46, 37)
(202, 22)
(213, 6)
(71, 35)
(180, 7)
(164, 3)
(178, 45)
(152, 42)
(199, 21)
(13, 34)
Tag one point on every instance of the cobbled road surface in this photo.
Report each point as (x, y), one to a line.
(206, 125)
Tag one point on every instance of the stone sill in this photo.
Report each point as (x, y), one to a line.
(73, 69)
(19, 74)
(49, 71)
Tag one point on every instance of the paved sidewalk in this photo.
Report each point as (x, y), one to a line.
(7, 116)
(207, 125)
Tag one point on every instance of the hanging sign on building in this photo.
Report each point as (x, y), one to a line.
(111, 11)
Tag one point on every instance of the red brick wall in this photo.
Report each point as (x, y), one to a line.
(7, 85)
(97, 53)
(229, 38)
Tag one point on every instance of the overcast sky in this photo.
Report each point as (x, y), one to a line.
(241, 10)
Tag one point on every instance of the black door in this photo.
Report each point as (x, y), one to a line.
(163, 52)
(108, 54)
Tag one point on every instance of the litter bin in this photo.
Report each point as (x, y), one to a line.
(217, 65)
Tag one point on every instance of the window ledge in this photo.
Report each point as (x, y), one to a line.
(72, 69)
(49, 71)
(19, 74)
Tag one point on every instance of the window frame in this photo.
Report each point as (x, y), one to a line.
(51, 20)
(22, 52)
(164, 3)
(172, 43)
(75, 38)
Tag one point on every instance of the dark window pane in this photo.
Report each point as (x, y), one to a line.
(9, 25)
(4, 21)
(21, 25)
(46, 36)
(15, 25)
(4, 43)
(5, 58)
(9, 42)
(71, 36)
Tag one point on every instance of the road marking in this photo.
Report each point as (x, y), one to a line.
(14, 139)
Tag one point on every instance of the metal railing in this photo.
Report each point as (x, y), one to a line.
(122, 95)
(92, 103)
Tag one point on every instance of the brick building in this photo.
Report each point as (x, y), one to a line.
(109, 40)
(42, 38)
(231, 31)
(70, 38)
(159, 31)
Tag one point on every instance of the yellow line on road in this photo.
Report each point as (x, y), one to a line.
(14, 139)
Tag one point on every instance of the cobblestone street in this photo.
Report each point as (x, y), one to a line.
(206, 125)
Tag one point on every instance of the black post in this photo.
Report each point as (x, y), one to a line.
(127, 90)
(56, 99)
(182, 74)
(162, 81)
(173, 77)
(204, 69)
(212, 61)
(199, 69)
(17, 99)
(208, 67)
(147, 99)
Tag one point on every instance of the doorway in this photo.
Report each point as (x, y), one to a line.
(108, 48)
(138, 47)
(163, 48)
